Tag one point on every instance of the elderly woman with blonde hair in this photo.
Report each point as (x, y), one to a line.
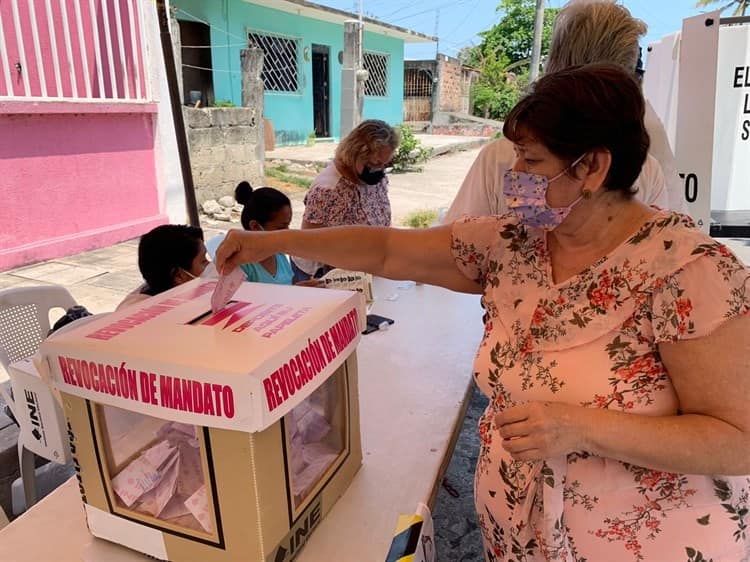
(353, 189)
(585, 32)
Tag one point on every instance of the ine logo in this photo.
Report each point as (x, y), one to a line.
(32, 403)
(293, 542)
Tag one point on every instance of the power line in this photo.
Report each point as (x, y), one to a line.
(446, 4)
(469, 13)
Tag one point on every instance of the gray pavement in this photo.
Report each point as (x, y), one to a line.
(323, 151)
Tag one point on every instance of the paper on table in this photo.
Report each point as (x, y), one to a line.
(226, 288)
(344, 280)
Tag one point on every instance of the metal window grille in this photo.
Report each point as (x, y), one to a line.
(417, 83)
(377, 67)
(280, 61)
(418, 88)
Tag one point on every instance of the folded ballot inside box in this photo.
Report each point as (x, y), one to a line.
(213, 435)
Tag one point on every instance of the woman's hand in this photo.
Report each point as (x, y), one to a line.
(540, 430)
(238, 247)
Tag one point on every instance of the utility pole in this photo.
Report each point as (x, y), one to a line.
(536, 48)
(437, 29)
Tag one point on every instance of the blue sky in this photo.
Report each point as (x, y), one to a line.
(459, 21)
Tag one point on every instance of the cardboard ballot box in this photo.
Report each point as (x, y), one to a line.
(212, 437)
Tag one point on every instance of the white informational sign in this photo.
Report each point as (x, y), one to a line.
(731, 155)
(661, 80)
(695, 112)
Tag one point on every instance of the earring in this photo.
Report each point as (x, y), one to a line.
(586, 193)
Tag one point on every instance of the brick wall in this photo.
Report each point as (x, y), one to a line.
(226, 147)
(451, 84)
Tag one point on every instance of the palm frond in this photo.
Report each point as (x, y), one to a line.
(740, 9)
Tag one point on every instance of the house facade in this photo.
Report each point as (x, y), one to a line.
(303, 45)
(86, 158)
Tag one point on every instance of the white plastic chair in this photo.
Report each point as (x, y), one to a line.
(24, 323)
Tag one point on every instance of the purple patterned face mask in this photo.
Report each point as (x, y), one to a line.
(526, 195)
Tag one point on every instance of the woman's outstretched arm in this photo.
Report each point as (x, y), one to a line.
(422, 255)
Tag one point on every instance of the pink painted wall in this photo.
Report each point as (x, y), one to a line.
(113, 77)
(74, 181)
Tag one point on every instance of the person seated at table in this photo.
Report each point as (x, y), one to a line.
(583, 33)
(616, 349)
(168, 255)
(265, 209)
(353, 189)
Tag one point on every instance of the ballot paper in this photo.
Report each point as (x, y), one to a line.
(311, 455)
(198, 506)
(225, 289)
(154, 501)
(144, 473)
(166, 479)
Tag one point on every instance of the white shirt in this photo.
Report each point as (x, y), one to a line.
(663, 153)
(481, 193)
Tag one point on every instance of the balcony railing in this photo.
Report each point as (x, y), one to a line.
(73, 50)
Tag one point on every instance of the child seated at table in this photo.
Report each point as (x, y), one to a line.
(168, 255)
(265, 208)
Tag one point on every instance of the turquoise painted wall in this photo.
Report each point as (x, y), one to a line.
(292, 113)
(391, 108)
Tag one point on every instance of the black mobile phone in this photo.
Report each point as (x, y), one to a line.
(374, 321)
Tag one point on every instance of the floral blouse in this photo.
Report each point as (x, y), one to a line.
(592, 340)
(335, 201)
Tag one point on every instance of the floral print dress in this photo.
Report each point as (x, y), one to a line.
(335, 201)
(592, 340)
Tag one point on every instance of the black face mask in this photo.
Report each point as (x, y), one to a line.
(372, 177)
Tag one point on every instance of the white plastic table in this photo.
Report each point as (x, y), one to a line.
(413, 382)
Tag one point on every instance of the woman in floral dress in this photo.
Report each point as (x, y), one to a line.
(352, 189)
(616, 353)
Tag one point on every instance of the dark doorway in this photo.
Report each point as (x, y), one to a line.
(321, 89)
(196, 63)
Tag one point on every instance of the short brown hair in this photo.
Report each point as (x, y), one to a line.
(594, 31)
(584, 108)
(365, 140)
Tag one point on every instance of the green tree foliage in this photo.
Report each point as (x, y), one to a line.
(740, 6)
(503, 57)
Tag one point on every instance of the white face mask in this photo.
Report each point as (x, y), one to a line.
(208, 272)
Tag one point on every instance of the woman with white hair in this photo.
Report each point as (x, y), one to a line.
(585, 31)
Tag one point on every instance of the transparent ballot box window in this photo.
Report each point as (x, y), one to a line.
(156, 470)
(317, 437)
